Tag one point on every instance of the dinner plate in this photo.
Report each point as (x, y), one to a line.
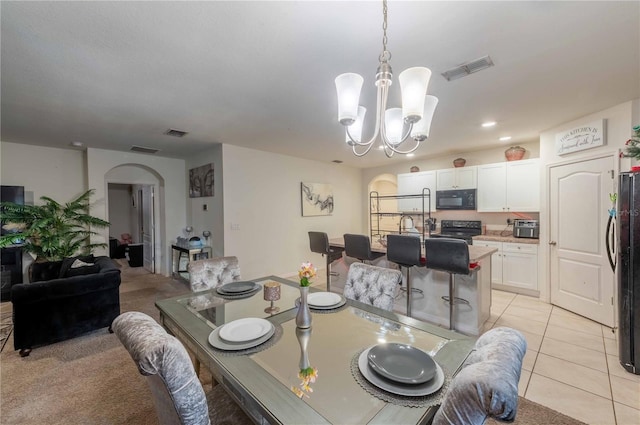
(402, 363)
(323, 299)
(340, 303)
(245, 330)
(217, 342)
(237, 288)
(418, 390)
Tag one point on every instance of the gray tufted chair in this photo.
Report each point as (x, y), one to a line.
(487, 386)
(177, 393)
(372, 285)
(213, 272)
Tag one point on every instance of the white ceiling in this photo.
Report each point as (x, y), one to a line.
(260, 74)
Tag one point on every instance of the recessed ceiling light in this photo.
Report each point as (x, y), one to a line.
(380, 147)
(489, 124)
(411, 154)
(505, 138)
(77, 144)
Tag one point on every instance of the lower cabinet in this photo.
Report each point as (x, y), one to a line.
(514, 267)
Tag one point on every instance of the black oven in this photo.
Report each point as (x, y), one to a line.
(464, 199)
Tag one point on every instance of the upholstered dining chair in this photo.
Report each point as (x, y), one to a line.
(178, 395)
(487, 385)
(372, 285)
(212, 272)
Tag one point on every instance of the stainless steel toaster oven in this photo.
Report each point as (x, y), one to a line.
(526, 228)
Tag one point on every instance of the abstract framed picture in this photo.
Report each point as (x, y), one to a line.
(201, 181)
(317, 199)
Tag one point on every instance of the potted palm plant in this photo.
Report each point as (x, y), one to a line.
(51, 231)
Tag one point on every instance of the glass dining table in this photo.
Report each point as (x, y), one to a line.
(308, 376)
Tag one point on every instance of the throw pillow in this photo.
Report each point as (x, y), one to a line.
(67, 262)
(83, 270)
(49, 270)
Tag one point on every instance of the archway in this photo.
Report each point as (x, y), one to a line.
(141, 181)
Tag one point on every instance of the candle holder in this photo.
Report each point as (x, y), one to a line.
(271, 293)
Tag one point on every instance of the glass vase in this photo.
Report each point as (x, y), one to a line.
(303, 317)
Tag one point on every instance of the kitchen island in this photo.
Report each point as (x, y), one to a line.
(429, 305)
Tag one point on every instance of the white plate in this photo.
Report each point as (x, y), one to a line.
(402, 363)
(323, 299)
(217, 342)
(340, 303)
(410, 390)
(243, 330)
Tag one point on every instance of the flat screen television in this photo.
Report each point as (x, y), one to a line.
(13, 194)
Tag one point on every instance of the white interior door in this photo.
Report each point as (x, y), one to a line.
(581, 278)
(147, 228)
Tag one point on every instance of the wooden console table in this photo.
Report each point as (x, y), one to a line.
(193, 253)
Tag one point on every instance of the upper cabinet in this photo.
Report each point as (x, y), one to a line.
(412, 184)
(509, 186)
(457, 178)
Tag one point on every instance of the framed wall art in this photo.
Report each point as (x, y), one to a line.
(317, 199)
(201, 181)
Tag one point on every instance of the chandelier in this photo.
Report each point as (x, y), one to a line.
(395, 126)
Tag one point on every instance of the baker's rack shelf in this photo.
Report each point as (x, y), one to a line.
(385, 207)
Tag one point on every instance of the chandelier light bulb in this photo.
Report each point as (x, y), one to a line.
(413, 84)
(420, 130)
(348, 86)
(355, 129)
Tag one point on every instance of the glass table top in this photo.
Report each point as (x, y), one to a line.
(325, 352)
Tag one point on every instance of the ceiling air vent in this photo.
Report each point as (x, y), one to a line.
(468, 68)
(175, 133)
(143, 149)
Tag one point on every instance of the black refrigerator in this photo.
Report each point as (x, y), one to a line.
(628, 220)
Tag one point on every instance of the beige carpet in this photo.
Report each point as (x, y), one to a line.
(92, 379)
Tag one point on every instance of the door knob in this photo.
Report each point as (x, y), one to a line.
(552, 242)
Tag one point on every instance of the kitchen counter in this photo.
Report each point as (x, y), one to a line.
(497, 236)
(429, 306)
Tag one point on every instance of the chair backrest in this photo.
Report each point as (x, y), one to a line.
(372, 285)
(358, 246)
(319, 242)
(177, 393)
(403, 250)
(487, 385)
(447, 254)
(212, 272)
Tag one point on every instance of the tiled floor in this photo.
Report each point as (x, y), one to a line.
(571, 363)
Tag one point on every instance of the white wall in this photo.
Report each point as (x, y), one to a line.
(120, 210)
(169, 202)
(57, 173)
(262, 196)
(211, 219)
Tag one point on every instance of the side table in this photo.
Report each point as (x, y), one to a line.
(192, 253)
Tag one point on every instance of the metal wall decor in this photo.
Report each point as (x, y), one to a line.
(201, 181)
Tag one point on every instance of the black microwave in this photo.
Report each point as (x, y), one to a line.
(464, 199)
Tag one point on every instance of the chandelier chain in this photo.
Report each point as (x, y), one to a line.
(385, 53)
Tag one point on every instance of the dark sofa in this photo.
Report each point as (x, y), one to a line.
(53, 310)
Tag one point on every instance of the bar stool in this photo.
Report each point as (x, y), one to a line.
(319, 243)
(359, 246)
(404, 250)
(451, 256)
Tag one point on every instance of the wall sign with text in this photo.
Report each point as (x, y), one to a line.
(580, 138)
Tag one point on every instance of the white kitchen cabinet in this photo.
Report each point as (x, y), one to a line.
(413, 184)
(514, 267)
(509, 186)
(457, 178)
